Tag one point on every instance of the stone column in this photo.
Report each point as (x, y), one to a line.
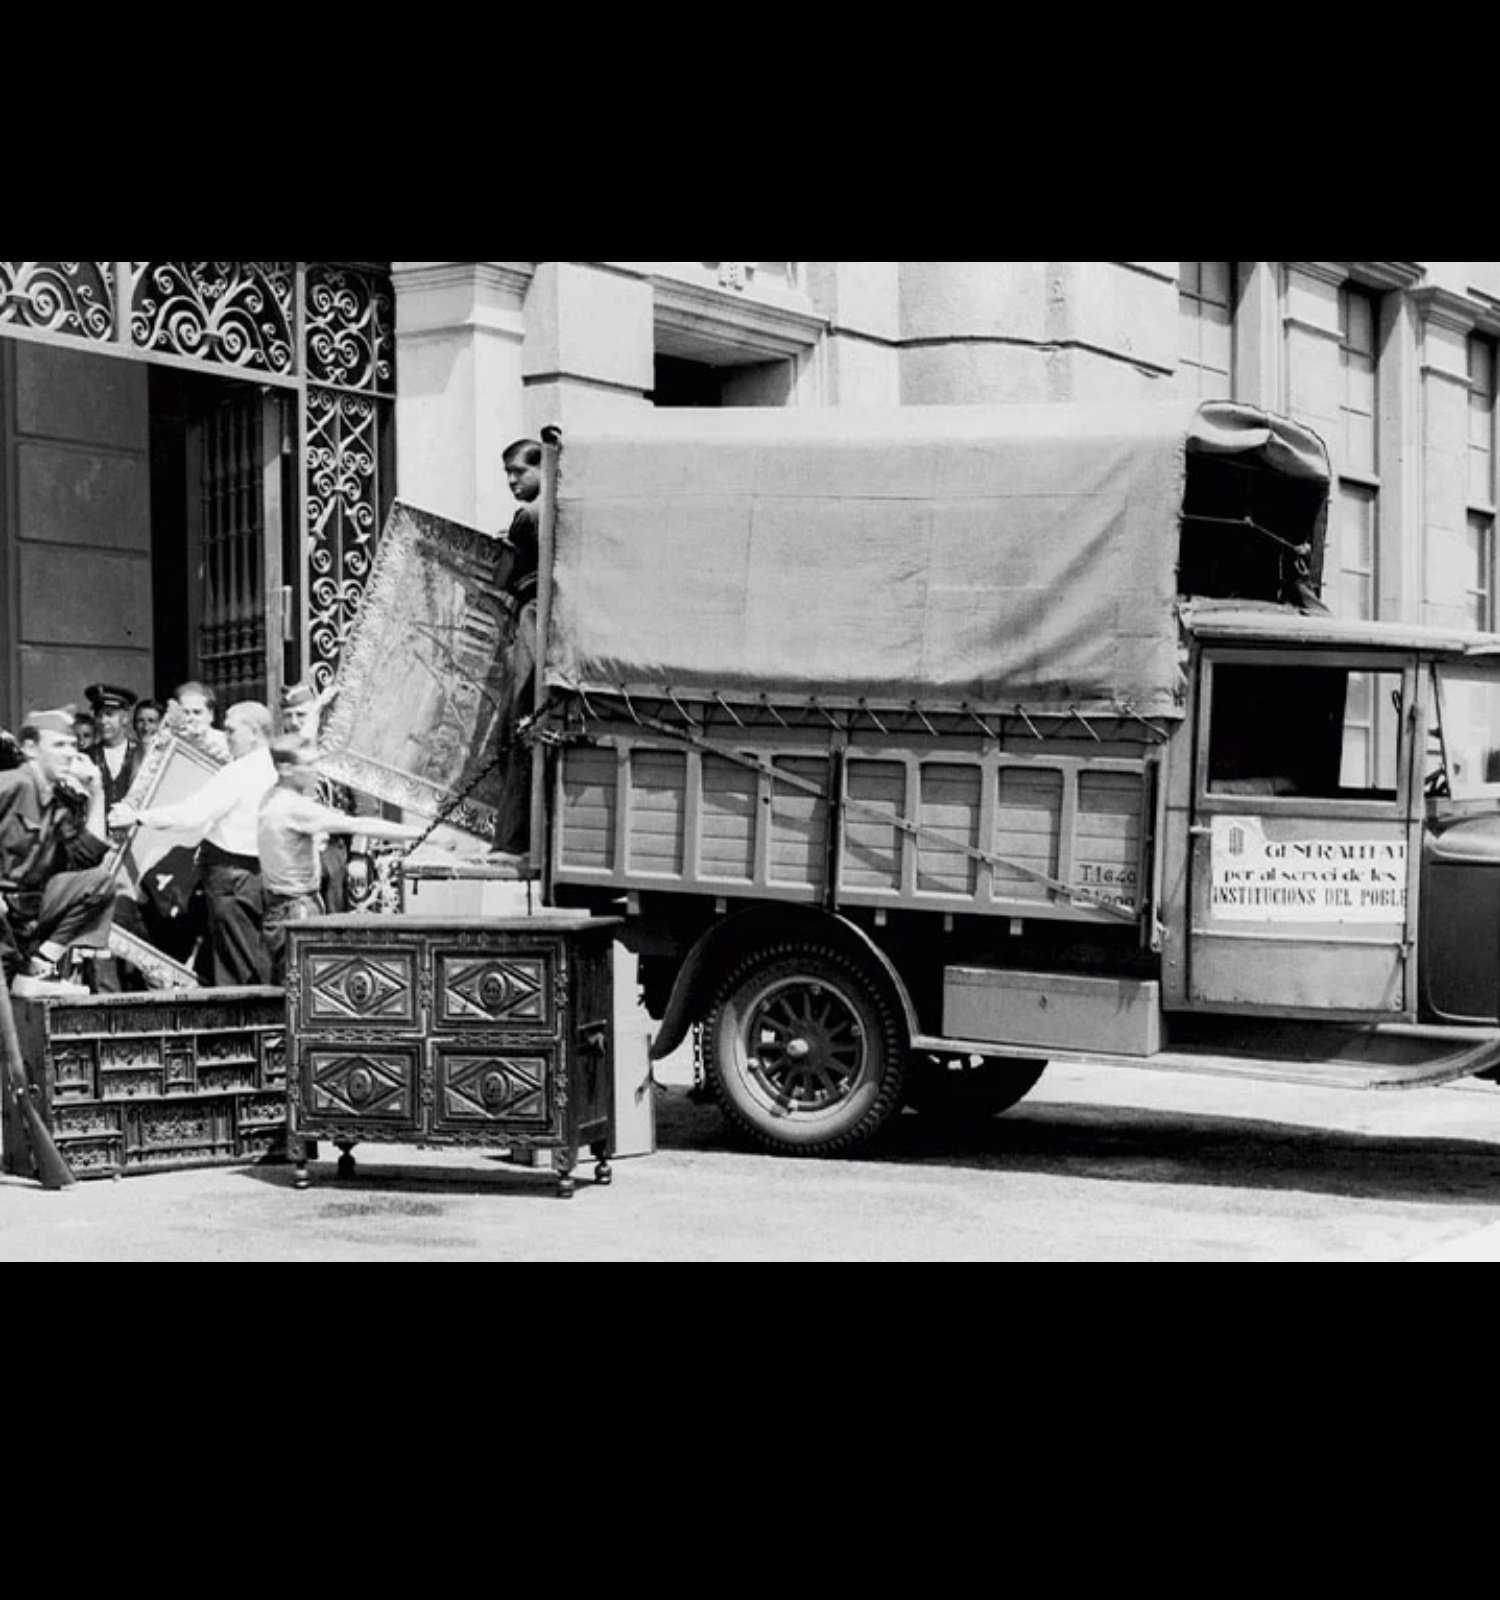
(1260, 336)
(590, 343)
(1446, 559)
(461, 329)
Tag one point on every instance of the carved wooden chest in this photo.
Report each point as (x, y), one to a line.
(137, 1083)
(494, 1033)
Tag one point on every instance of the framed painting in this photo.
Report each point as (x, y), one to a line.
(173, 769)
(423, 676)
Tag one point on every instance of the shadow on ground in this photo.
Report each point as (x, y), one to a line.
(1130, 1145)
(387, 1182)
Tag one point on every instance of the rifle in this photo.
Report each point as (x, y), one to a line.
(51, 1170)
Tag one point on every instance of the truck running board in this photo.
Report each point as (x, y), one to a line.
(1392, 1057)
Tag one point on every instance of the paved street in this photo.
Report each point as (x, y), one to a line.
(1097, 1166)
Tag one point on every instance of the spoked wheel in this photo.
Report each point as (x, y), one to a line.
(804, 1051)
(967, 1088)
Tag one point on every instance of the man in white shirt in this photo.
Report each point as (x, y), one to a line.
(293, 823)
(225, 815)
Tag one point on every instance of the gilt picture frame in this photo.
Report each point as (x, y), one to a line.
(172, 769)
(416, 709)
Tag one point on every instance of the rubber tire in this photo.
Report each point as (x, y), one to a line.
(972, 1094)
(749, 1104)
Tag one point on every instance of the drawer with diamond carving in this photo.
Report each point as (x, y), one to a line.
(365, 1084)
(374, 988)
(494, 1033)
(484, 990)
(491, 1089)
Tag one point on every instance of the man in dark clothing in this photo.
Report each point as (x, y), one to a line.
(519, 577)
(54, 892)
(117, 755)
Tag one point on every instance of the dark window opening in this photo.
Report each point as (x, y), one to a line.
(1324, 733)
(1251, 534)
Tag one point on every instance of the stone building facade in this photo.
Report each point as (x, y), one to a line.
(196, 457)
(1394, 363)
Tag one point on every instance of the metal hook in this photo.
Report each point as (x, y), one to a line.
(864, 706)
(681, 710)
(978, 721)
(776, 716)
(635, 715)
(1075, 713)
(828, 716)
(1036, 732)
(1150, 727)
(729, 710)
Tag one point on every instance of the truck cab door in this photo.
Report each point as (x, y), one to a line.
(1460, 935)
(1305, 836)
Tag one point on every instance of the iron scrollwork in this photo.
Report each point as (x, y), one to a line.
(343, 514)
(74, 297)
(235, 313)
(351, 329)
(329, 327)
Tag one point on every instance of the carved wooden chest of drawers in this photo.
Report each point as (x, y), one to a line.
(138, 1083)
(458, 1031)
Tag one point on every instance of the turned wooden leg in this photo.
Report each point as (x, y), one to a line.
(297, 1151)
(347, 1165)
(567, 1185)
(604, 1172)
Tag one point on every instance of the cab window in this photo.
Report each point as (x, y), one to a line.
(1309, 732)
(1463, 758)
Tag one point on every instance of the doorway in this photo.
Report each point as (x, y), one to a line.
(224, 548)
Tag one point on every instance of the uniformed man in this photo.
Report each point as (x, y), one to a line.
(117, 755)
(55, 894)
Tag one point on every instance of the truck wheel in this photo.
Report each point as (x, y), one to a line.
(804, 1051)
(969, 1088)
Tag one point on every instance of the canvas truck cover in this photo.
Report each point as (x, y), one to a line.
(949, 557)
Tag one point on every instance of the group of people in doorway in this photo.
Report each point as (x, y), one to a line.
(273, 842)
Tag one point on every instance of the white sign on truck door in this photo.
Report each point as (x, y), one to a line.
(1257, 879)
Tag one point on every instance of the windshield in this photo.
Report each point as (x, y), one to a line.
(1464, 758)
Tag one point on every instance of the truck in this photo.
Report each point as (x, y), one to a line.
(920, 749)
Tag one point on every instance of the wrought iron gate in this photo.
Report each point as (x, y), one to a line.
(325, 332)
(236, 542)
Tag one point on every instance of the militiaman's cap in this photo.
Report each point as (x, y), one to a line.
(298, 697)
(50, 721)
(106, 697)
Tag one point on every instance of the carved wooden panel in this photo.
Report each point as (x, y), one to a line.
(358, 988)
(493, 990)
(486, 1088)
(368, 1085)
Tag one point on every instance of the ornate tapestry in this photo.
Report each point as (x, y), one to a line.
(423, 675)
